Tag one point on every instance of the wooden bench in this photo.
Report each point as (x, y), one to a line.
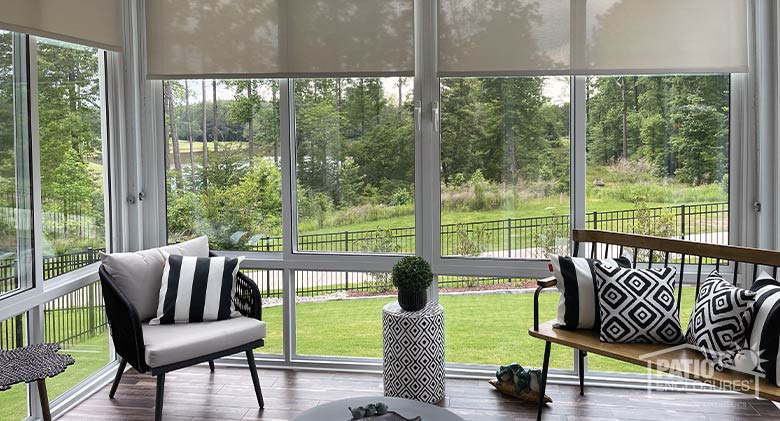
(741, 261)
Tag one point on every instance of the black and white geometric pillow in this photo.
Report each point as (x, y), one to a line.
(638, 305)
(579, 302)
(762, 348)
(720, 319)
(197, 289)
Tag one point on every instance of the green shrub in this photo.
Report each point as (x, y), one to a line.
(412, 273)
(401, 196)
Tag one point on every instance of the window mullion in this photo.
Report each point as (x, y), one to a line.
(577, 133)
(427, 192)
(289, 212)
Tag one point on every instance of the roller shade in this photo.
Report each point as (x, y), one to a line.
(526, 37)
(96, 23)
(267, 38)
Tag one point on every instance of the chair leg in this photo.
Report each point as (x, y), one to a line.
(44, 397)
(118, 377)
(211, 366)
(158, 403)
(543, 385)
(250, 357)
(581, 357)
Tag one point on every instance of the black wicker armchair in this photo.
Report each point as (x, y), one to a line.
(127, 332)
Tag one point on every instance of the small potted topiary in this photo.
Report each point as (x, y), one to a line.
(412, 276)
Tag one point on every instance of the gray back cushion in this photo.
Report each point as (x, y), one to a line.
(138, 275)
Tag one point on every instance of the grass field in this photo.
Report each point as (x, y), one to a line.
(90, 355)
(480, 329)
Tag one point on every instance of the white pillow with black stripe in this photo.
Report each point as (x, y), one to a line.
(197, 289)
(578, 307)
(762, 351)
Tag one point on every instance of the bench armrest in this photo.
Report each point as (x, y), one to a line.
(541, 284)
(547, 282)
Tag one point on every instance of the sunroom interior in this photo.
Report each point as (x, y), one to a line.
(317, 144)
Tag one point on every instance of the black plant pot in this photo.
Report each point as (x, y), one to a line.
(412, 300)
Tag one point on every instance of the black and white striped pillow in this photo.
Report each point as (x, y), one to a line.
(763, 342)
(197, 289)
(578, 307)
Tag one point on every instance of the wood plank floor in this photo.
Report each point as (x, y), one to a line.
(196, 394)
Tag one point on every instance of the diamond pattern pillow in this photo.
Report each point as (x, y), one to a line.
(638, 305)
(720, 319)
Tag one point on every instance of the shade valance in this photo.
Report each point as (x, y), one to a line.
(96, 23)
(527, 37)
(267, 38)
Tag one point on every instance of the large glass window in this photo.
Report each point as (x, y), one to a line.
(77, 322)
(504, 166)
(15, 192)
(269, 282)
(476, 335)
(72, 193)
(658, 163)
(325, 310)
(223, 162)
(658, 156)
(354, 162)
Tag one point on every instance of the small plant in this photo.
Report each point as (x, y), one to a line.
(412, 273)
(382, 241)
(412, 276)
(552, 237)
(471, 241)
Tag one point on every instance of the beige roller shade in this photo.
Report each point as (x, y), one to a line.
(512, 37)
(248, 38)
(659, 36)
(535, 37)
(96, 23)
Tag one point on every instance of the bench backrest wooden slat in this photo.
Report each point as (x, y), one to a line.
(715, 251)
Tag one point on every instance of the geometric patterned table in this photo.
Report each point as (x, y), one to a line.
(413, 350)
(33, 363)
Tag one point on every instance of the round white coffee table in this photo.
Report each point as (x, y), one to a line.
(337, 410)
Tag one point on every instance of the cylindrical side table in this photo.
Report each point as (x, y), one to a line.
(413, 352)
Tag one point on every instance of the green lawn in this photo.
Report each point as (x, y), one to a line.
(90, 355)
(480, 329)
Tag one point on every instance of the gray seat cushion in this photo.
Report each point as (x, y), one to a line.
(168, 344)
(138, 275)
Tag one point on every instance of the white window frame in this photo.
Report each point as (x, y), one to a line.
(31, 301)
(427, 210)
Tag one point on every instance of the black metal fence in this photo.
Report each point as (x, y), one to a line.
(81, 313)
(527, 238)
(69, 319)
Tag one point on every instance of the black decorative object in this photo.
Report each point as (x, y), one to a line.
(388, 416)
(412, 276)
(369, 411)
(413, 350)
(33, 363)
(412, 300)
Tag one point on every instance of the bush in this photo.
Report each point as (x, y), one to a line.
(401, 196)
(412, 273)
